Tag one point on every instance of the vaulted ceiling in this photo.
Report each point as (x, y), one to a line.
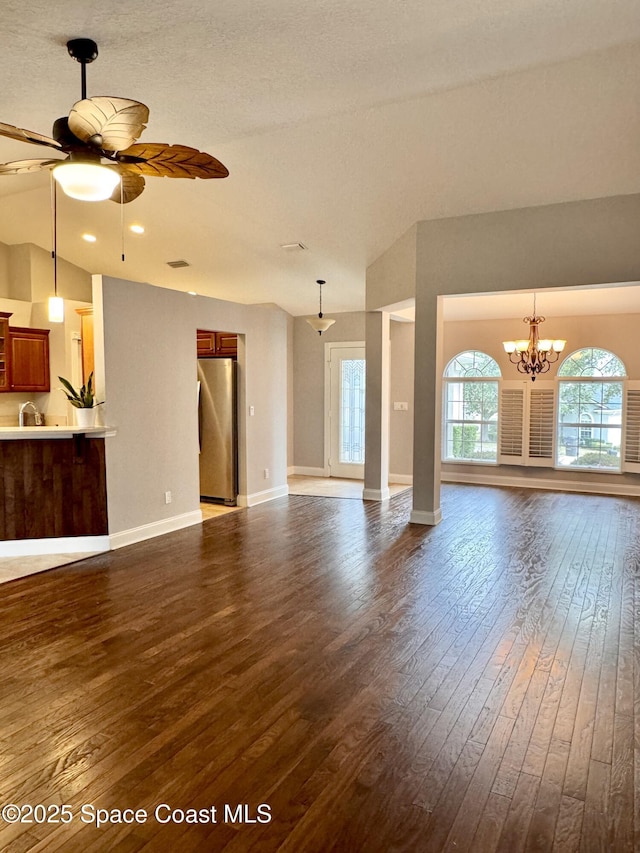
(341, 123)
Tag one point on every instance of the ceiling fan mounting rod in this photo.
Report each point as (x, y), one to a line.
(83, 51)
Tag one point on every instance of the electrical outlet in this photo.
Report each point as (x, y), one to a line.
(167, 497)
(266, 473)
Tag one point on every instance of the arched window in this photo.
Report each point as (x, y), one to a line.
(590, 391)
(471, 408)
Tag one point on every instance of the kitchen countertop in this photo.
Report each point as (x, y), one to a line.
(40, 432)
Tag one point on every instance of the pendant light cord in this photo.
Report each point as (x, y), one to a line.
(320, 282)
(54, 223)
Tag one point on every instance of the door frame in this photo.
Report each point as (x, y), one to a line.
(328, 347)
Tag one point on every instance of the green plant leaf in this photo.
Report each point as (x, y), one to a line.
(82, 399)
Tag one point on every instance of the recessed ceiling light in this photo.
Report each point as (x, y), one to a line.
(192, 293)
(89, 238)
(137, 229)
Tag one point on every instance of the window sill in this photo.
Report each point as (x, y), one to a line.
(587, 470)
(490, 463)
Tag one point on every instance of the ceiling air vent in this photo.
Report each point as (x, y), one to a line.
(176, 265)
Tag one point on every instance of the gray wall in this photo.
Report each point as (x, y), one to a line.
(308, 389)
(401, 389)
(147, 376)
(308, 383)
(577, 243)
(615, 332)
(26, 273)
(392, 277)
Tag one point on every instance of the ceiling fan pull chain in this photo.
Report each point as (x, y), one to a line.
(122, 217)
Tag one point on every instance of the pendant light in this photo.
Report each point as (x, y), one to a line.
(320, 324)
(535, 355)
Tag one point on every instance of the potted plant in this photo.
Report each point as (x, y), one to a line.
(83, 400)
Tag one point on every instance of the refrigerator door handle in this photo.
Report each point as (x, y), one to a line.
(199, 420)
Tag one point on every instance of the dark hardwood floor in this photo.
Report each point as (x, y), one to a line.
(380, 687)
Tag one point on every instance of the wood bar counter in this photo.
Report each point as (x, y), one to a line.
(52, 482)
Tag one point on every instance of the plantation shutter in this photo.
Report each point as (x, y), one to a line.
(511, 422)
(541, 423)
(631, 440)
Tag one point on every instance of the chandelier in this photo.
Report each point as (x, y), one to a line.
(535, 355)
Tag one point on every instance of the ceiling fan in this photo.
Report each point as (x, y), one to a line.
(101, 129)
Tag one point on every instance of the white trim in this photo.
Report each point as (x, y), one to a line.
(376, 494)
(156, 528)
(423, 516)
(328, 346)
(263, 497)
(401, 479)
(303, 471)
(600, 488)
(65, 545)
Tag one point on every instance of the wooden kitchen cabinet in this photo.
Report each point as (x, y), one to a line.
(206, 343)
(217, 344)
(29, 359)
(226, 343)
(5, 352)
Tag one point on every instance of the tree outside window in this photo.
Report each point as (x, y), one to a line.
(590, 392)
(471, 408)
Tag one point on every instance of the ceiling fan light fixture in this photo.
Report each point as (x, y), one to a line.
(86, 181)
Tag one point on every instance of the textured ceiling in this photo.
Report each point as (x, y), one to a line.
(341, 125)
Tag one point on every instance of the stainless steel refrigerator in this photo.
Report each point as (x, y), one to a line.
(217, 423)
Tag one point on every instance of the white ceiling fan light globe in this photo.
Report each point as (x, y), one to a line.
(86, 181)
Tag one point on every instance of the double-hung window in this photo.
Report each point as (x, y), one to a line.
(471, 408)
(590, 403)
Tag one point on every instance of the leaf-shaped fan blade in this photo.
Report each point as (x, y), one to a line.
(18, 167)
(132, 186)
(172, 161)
(108, 123)
(27, 135)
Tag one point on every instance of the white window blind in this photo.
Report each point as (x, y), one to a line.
(511, 420)
(541, 423)
(631, 459)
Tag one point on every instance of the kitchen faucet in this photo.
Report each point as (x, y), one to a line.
(36, 414)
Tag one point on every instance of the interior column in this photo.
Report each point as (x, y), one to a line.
(427, 410)
(376, 468)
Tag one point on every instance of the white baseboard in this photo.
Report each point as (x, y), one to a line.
(375, 494)
(156, 528)
(586, 487)
(64, 545)
(262, 497)
(301, 471)
(401, 479)
(422, 516)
